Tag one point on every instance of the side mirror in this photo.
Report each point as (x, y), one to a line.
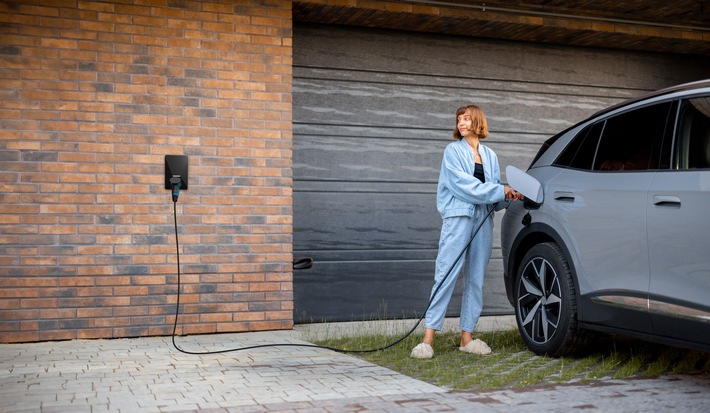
(525, 184)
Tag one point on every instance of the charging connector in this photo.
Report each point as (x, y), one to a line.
(176, 183)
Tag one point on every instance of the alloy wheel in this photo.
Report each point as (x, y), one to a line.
(539, 300)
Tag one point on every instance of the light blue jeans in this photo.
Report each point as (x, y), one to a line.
(455, 233)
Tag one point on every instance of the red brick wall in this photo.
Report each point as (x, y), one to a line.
(93, 95)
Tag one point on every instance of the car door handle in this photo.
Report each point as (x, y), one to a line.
(666, 201)
(564, 196)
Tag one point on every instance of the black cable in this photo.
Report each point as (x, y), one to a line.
(339, 350)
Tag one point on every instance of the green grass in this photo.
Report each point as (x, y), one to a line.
(512, 365)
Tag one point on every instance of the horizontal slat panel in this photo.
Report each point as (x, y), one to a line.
(409, 133)
(365, 221)
(368, 221)
(347, 291)
(488, 60)
(451, 82)
(349, 159)
(426, 107)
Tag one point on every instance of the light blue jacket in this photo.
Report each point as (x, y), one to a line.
(459, 191)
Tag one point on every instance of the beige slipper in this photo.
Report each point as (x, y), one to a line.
(422, 351)
(476, 347)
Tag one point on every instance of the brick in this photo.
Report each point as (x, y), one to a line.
(112, 321)
(56, 335)
(76, 281)
(266, 325)
(94, 334)
(18, 337)
(57, 313)
(39, 303)
(93, 312)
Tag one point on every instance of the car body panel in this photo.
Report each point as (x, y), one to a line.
(598, 221)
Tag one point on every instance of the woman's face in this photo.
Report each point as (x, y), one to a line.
(464, 124)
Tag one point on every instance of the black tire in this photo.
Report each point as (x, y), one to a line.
(546, 302)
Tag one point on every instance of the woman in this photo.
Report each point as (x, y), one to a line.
(469, 184)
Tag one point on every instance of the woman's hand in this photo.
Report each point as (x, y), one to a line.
(512, 195)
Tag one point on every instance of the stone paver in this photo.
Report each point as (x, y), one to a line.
(149, 375)
(681, 394)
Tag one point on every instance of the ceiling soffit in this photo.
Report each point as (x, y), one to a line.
(650, 25)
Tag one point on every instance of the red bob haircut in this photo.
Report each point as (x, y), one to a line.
(479, 125)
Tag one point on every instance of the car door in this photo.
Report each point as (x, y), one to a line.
(679, 230)
(605, 217)
(601, 201)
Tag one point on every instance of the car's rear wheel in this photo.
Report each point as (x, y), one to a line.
(546, 302)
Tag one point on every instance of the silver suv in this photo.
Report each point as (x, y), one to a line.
(619, 238)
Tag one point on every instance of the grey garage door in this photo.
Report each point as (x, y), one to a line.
(372, 113)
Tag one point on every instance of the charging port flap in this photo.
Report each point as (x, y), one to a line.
(524, 183)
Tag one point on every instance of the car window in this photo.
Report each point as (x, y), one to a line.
(692, 148)
(632, 140)
(579, 153)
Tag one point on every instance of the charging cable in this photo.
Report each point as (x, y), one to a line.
(339, 350)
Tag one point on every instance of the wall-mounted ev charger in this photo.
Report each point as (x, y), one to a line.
(176, 174)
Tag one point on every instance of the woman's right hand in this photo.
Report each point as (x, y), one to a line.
(511, 194)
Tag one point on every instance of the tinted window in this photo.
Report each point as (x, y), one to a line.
(580, 152)
(632, 141)
(692, 148)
